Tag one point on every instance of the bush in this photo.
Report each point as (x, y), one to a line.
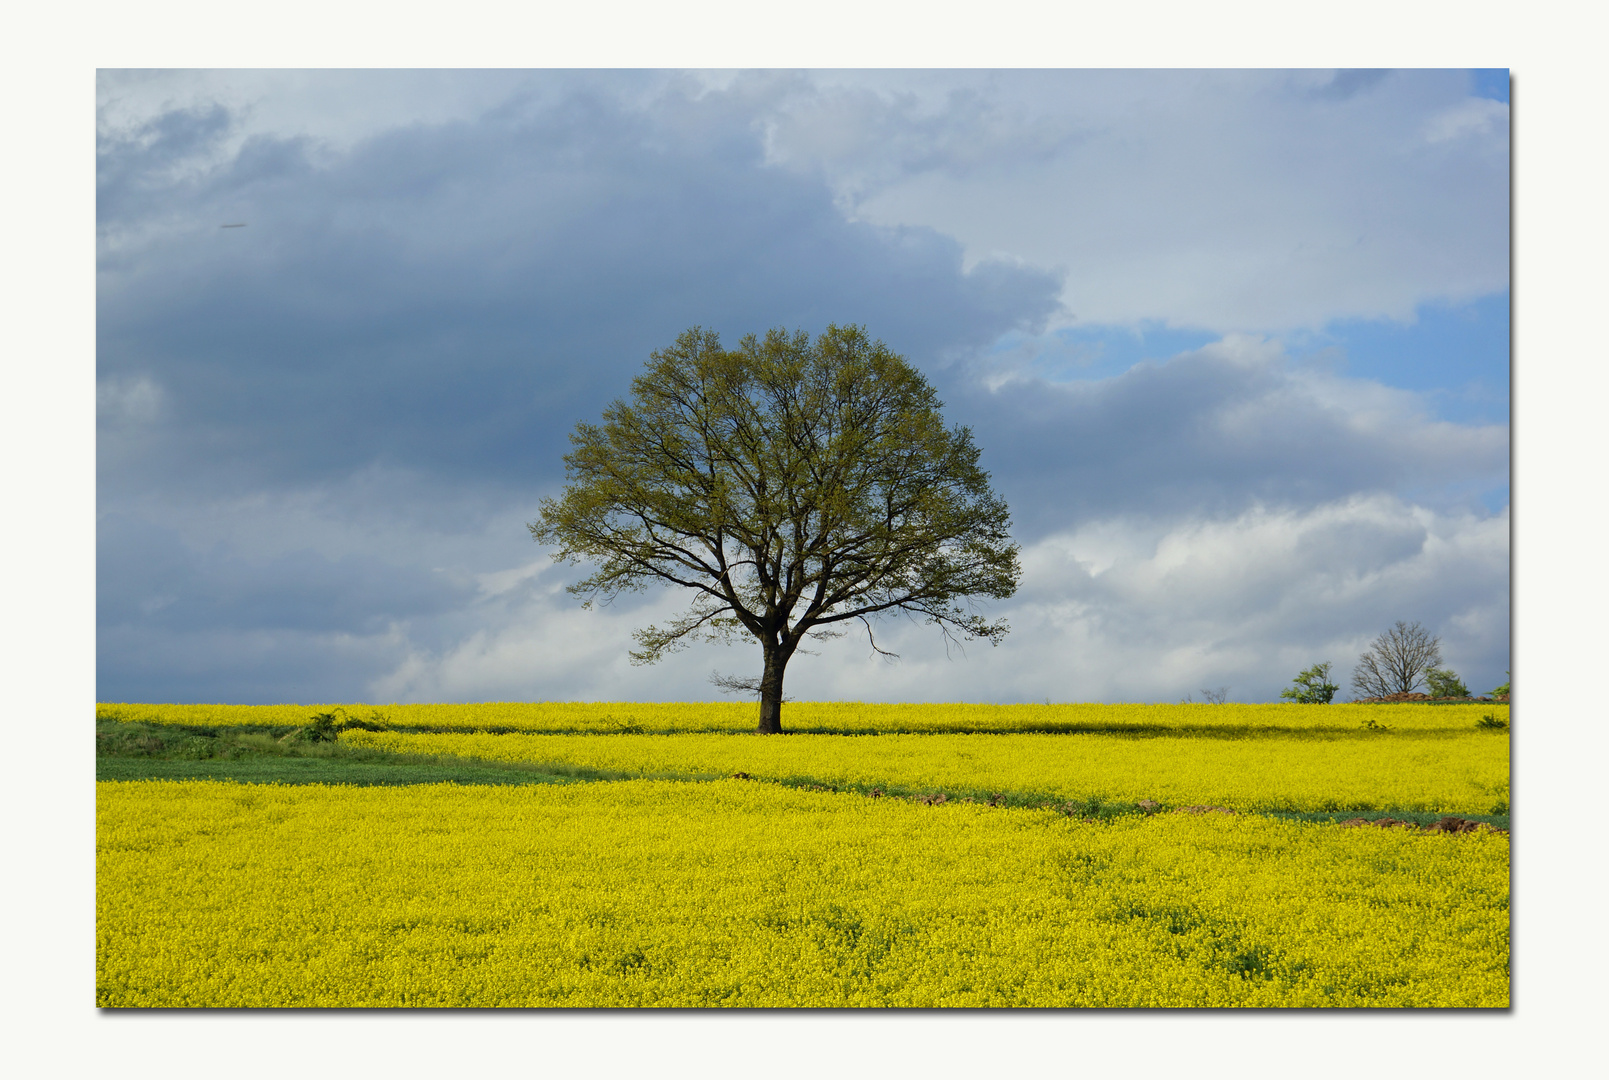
(1312, 687)
(321, 729)
(1444, 682)
(327, 726)
(196, 748)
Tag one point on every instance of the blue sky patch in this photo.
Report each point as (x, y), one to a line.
(1491, 83)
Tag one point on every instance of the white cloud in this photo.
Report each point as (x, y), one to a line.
(368, 399)
(1133, 611)
(1224, 518)
(1212, 431)
(1224, 200)
(129, 401)
(502, 581)
(1479, 119)
(542, 646)
(333, 107)
(1115, 610)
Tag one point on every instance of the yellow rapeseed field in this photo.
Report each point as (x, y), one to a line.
(1428, 771)
(736, 893)
(847, 717)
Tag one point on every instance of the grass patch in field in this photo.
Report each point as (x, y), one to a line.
(1418, 817)
(253, 755)
(320, 771)
(1439, 775)
(1093, 808)
(265, 755)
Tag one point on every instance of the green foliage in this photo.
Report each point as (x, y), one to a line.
(1445, 683)
(196, 748)
(1252, 963)
(379, 772)
(1492, 723)
(139, 751)
(326, 727)
(321, 728)
(1502, 691)
(1312, 687)
(791, 486)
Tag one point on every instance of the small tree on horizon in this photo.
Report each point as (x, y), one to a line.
(1312, 687)
(1445, 683)
(792, 486)
(1396, 662)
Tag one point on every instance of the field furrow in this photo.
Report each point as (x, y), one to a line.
(1374, 771)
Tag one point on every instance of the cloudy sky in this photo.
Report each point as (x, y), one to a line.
(1235, 346)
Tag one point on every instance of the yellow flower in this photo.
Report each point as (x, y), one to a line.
(736, 893)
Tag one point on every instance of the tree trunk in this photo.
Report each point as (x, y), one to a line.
(771, 691)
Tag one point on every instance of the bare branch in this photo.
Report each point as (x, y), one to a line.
(1396, 662)
(871, 639)
(733, 684)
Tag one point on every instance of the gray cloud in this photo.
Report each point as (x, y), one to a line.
(250, 667)
(1225, 200)
(320, 435)
(1348, 82)
(432, 307)
(1213, 433)
(175, 623)
(151, 577)
(453, 298)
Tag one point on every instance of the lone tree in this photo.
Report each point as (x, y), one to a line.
(1396, 662)
(792, 485)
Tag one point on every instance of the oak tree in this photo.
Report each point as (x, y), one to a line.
(791, 486)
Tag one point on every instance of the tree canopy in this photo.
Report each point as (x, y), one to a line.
(1312, 686)
(791, 485)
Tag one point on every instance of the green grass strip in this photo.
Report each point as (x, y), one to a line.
(254, 755)
(321, 771)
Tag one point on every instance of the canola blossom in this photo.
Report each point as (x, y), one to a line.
(844, 717)
(1435, 771)
(735, 893)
